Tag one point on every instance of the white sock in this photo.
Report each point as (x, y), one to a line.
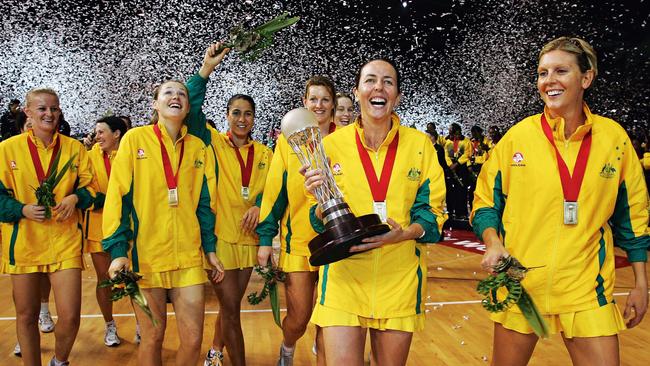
(59, 363)
(45, 307)
(112, 322)
(288, 350)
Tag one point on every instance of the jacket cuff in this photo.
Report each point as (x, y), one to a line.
(118, 250)
(266, 241)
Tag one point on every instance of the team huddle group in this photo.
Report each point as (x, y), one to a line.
(182, 204)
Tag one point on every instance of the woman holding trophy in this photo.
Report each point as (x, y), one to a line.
(381, 287)
(589, 194)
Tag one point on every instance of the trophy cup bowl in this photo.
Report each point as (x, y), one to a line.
(342, 228)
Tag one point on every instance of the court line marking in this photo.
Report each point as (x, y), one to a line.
(211, 312)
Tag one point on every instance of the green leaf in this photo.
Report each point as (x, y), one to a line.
(532, 314)
(63, 170)
(275, 304)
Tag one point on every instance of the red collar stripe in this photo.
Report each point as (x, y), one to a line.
(379, 188)
(107, 164)
(571, 184)
(172, 179)
(33, 151)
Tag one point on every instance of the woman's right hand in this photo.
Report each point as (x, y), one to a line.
(117, 265)
(34, 212)
(313, 178)
(263, 256)
(212, 59)
(493, 253)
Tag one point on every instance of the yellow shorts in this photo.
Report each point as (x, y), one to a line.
(295, 263)
(324, 316)
(235, 256)
(172, 279)
(71, 263)
(603, 321)
(92, 246)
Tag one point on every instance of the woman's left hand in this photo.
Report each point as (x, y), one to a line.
(217, 268)
(250, 219)
(395, 235)
(637, 303)
(66, 207)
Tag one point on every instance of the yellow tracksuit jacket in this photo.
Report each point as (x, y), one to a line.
(459, 156)
(520, 195)
(164, 238)
(231, 207)
(27, 242)
(473, 153)
(385, 282)
(92, 217)
(285, 201)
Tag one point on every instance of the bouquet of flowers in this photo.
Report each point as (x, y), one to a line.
(125, 283)
(509, 273)
(251, 43)
(271, 278)
(45, 191)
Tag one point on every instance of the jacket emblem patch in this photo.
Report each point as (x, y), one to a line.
(141, 154)
(336, 169)
(198, 163)
(608, 171)
(261, 165)
(518, 159)
(413, 174)
(13, 165)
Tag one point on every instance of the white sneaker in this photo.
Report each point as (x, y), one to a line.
(59, 363)
(314, 348)
(137, 337)
(45, 322)
(110, 336)
(213, 358)
(17, 351)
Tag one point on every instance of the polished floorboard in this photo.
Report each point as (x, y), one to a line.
(458, 331)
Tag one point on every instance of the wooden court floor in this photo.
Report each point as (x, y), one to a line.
(458, 331)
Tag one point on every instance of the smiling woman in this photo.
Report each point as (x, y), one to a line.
(160, 199)
(566, 230)
(34, 244)
(358, 292)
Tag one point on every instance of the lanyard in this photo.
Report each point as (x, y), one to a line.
(570, 184)
(379, 188)
(246, 169)
(456, 145)
(107, 164)
(33, 151)
(332, 127)
(172, 180)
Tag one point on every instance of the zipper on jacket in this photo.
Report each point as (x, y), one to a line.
(375, 269)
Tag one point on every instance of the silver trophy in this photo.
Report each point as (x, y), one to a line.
(342, 228)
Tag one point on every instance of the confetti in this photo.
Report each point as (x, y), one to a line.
(460, 61)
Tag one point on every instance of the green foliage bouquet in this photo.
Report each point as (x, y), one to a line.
(509, 273)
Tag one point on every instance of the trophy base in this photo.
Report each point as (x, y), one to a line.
(334, 244)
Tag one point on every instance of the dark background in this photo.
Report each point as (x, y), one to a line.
(461, 60)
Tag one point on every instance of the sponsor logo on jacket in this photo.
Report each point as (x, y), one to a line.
(336, 169)
(518, 159)
(140, 154)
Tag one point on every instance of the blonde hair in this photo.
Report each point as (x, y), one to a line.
(32, 93)
(585, 54)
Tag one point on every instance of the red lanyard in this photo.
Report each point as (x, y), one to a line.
(107, 164)
(246, 169)
(332, 127)
(379, 188)
(570, 184)
(172, 180)
(455, 145)
(33, 151)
